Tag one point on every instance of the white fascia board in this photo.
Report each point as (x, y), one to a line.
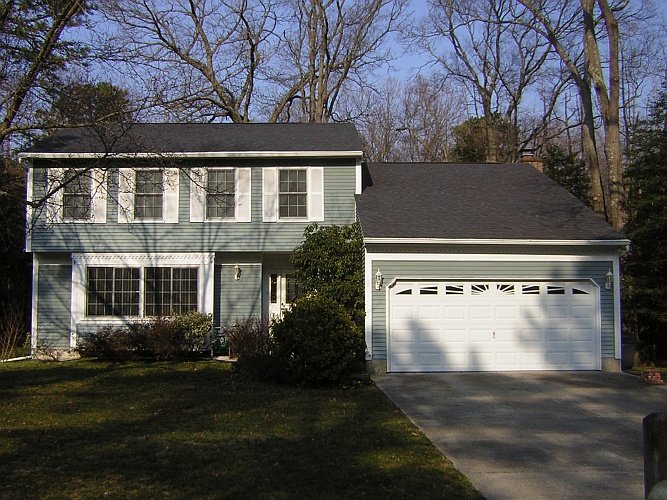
(453, 241)
(197, 155)
(486, 257)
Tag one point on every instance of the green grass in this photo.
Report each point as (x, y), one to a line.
(195, 430)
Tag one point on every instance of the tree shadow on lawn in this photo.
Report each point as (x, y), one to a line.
(197, 430)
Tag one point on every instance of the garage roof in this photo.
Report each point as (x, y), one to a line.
(201, 138)
(448, 201)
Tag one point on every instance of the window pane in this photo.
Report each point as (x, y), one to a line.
(112, 291)
(170, 291)
(220, 203)
(293, 290)
(148, 194)
(77, 194)
(292, 196)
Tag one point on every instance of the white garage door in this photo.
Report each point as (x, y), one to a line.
(493, 326)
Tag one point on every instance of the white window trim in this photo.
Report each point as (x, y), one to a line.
(127, 191)
(81, 261)
(314, 195)
(98, 202)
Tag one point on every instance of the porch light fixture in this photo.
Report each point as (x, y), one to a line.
(608, 280)
(378, 280)
(237, 272)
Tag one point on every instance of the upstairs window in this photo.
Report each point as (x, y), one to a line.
(77, 195)
(220, 198)
(148, 195)
(292, 194)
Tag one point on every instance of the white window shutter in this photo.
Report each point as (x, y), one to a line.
(270, 194)
(242, 196)
(197, 194)
(126, 183)
(316, 194)
(100, 194)
(170, 195)
(54, 204)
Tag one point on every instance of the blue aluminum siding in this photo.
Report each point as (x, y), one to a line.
(486, 270)
(255, 236)
(54, 296)
(236, 300)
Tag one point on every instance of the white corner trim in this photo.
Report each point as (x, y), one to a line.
(35, 304)
(29, 213)
(500, 241)
(198, 154)
(616, 271)
(368, 305)
(358, 186)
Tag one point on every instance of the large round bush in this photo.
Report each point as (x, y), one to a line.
(317, 341)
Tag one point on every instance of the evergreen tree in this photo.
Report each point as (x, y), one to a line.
(645, 280)
(330, 262)
(568, 171)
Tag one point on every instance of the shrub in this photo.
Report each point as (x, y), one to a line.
(115, 343)
(162, 338)
(250, 342)
(196, 330)
(165, 339)
(317, 341)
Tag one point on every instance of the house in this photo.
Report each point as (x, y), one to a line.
(170, 217)
(468, 267)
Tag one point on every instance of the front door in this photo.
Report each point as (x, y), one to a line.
(283, 290)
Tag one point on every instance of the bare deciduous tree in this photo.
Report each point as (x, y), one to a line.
(495, 58)
(199, 59)
(333, 43)
(240, 59)
(412, 122)
(604, 77)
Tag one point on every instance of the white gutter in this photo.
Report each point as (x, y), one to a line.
(197, 154)
(500, 241)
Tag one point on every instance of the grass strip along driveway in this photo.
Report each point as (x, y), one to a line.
(89, 429)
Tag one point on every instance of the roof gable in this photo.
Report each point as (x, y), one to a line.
(473, 202)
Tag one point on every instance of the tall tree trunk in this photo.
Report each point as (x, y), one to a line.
(609, 103)
(611, 115)
(589, 147)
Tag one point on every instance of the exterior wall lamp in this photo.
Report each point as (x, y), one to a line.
(237, 272)
(378, 280)
(608, 280)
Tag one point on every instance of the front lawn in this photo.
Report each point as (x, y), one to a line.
(86, 430)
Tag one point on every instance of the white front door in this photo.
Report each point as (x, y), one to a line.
(283, 290)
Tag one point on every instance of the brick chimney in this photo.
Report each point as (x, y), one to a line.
(528, 156)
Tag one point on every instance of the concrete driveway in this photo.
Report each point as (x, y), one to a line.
(535, 435)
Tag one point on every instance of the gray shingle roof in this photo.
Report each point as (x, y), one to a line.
(202, 137)
(472, 202)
